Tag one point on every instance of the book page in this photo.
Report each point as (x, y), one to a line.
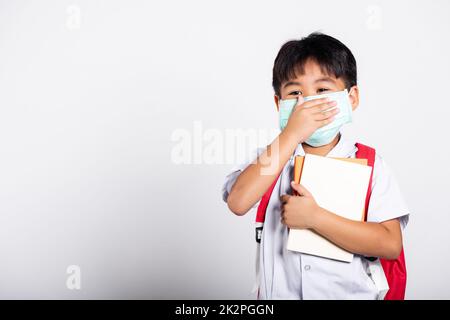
(338, 186)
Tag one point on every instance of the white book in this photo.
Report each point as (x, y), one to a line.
(338, 186)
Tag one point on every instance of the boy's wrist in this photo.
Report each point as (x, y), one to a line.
(291, 136)
(317, 217)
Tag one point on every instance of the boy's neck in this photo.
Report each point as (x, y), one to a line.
(323, 150)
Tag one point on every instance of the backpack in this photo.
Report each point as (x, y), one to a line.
(394, 270)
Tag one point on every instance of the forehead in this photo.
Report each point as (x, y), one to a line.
(311, 70)
(312, 73)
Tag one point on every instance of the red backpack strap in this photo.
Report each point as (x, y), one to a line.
(394, 270)
(366, 152)
(262, 208)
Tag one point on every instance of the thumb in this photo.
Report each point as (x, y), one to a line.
(301, 190)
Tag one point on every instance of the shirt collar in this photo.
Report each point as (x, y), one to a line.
(345, 148)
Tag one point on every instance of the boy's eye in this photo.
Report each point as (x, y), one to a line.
(320, 90)
(295, 93)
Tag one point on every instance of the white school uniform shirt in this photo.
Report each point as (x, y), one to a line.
(286, 274)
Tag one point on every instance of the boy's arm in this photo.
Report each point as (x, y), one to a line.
(257, 177)
(370, 239)
(253, 182)
(365, 238)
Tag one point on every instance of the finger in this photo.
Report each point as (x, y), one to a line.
(324, 106)
(284, 198)
(301, 190)
(300, 100)
(315, 102)
(299, 103)
(325, 115)
(326, 121)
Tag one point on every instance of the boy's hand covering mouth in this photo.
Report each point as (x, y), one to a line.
(307, 117)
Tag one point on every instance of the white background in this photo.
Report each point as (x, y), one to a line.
(92, 92)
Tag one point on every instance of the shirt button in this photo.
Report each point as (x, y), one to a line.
(307, 267)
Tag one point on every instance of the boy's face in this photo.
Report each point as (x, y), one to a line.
(314, 82)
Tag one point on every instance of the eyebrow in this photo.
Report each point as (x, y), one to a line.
(292, 83)
(296, 83)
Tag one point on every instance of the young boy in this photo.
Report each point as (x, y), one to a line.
(317, 64)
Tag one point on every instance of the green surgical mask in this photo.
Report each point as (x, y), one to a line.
(325, 134)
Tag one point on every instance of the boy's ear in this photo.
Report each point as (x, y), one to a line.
(354, 97)
(275, 97)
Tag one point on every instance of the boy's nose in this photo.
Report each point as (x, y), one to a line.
(308, 93)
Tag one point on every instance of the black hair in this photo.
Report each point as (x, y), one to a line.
(333, 57)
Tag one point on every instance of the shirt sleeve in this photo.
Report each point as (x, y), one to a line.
(386, 200)
(231, 178)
